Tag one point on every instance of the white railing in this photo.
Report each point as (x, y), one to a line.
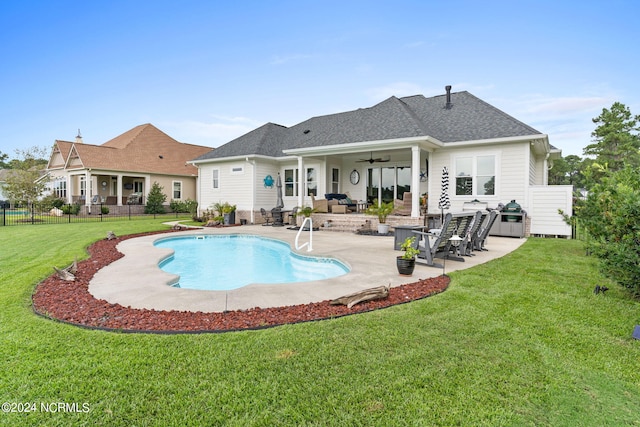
(308, 244)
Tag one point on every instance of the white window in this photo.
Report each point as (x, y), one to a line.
(475, 175)
(138, 186)
(291, 182)
(216, 178)
(177, 190)
(60, 188)
(83, 186)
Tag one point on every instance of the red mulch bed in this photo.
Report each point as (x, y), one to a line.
(71, 302)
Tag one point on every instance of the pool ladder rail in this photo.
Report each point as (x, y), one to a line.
(308, 244)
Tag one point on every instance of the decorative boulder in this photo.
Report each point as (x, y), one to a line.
(55, 212)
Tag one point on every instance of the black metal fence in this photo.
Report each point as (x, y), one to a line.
(45, 214)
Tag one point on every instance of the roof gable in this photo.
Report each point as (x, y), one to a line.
(265, 140)
(144, 149)
(59, 154)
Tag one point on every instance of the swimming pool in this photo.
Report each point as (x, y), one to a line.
(8, 212)
(226, 262)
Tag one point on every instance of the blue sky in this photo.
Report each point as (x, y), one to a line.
(206, 72)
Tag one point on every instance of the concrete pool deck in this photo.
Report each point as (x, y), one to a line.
(136, 281)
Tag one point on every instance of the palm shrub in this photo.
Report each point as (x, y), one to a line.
(610, 215)
(381, 210)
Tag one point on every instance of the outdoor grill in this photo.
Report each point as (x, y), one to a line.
(512, 208)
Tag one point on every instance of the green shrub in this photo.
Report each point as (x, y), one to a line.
(51, 202)
(187, 206)
(71, 209)
(610, 214)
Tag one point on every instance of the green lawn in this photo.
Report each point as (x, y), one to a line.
(519, 341)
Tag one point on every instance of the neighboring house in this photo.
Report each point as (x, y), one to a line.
(399, 145)
(122, 170)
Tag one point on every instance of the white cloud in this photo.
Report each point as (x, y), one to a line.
(397, 89)
(565, 105)
(283, 59)
(566, 119)
(414, 45)
(219, 131)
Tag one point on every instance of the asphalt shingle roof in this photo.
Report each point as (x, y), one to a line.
(469, 118)
(144, 148)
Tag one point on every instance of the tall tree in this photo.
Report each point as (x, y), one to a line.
(3, 161)
(616, 141)
(559, 173)
(22, 184)
(568, 171)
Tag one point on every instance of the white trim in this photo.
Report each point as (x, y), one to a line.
(243, 157)
(529, 138)
(364, 146)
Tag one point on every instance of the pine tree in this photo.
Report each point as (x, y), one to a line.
(616, 140)
(155, 200)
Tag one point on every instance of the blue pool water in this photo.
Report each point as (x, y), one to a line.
(232, 261)
(8, 212)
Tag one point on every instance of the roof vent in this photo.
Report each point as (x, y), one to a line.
(448, 105)
(306, 131)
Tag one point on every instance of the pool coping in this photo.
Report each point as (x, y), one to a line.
(136, 280)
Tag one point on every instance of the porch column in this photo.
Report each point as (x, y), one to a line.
(301, 181)
(147, 188)
(68, 183)
(415, 181)
(88, 190)
(119, 190)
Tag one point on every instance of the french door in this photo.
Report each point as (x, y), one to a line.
(388, 183)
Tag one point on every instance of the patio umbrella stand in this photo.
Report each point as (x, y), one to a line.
(444, 202)
(277, 211)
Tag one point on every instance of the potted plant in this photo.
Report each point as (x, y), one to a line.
(229, 214)
(306, 212)
(407, 261)
(382, 211)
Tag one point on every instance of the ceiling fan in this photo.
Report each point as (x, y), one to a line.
(372, 160)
